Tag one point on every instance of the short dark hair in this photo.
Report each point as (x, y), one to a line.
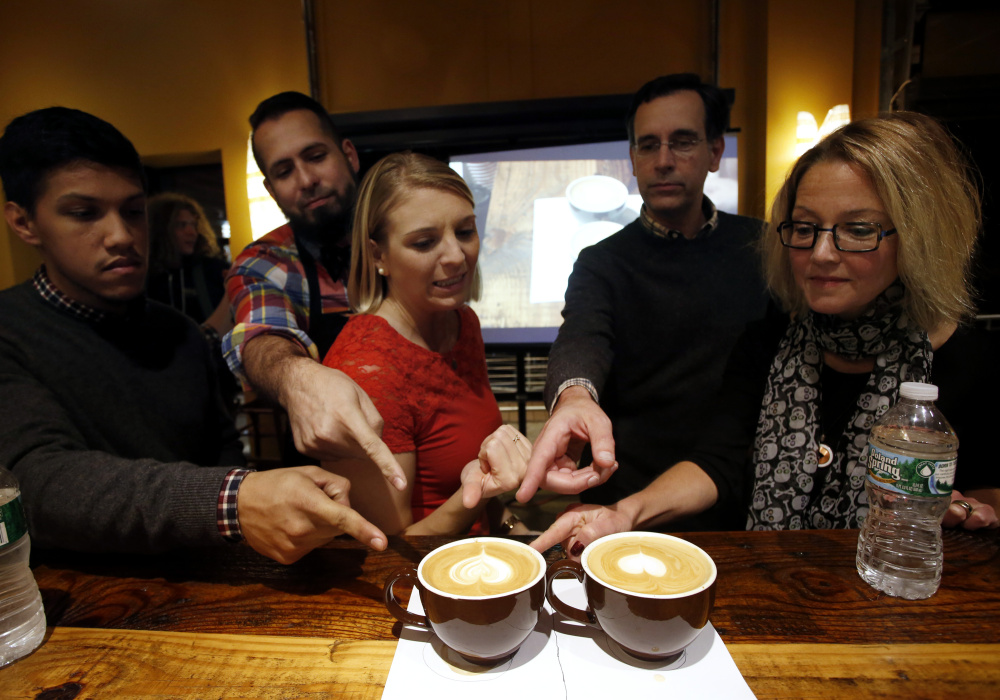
(716, 104)
(283, 103)
(36, 143)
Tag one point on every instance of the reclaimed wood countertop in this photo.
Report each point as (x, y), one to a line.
(790, 606)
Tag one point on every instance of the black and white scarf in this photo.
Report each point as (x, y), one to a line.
(788, 494)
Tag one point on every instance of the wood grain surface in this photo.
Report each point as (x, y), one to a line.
(95, 663)
(789, 587)
(796, 617)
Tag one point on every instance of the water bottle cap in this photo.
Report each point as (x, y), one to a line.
(918, 391)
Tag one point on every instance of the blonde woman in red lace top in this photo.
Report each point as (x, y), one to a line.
(416, 349)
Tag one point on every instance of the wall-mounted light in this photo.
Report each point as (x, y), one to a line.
(807, 134)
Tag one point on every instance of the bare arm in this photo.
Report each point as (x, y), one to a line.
(681, 491)
(331, 416)
(390, 509)
(497, 469)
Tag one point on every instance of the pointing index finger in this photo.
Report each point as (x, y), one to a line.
(543, 455)
(378, 452)
(559, 531)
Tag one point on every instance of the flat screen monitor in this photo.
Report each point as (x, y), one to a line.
(536, 208)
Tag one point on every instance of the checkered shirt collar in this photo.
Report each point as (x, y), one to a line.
(50, 293)
(658, 229)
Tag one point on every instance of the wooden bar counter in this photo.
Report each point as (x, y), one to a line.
(790, 606)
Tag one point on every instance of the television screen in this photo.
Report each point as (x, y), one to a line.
(537, 208)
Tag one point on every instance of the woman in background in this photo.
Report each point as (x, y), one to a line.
(416, 348)
(868, 252)
(186, 268)
(187, 271)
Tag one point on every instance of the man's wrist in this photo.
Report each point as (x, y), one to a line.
(580, 382)
(270, 363)
(227, 516)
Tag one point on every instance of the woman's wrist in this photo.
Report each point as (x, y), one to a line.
(632, 509)
(510, 525)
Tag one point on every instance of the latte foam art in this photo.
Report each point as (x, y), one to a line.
(480, 568)
(650, 566)
(638, 564)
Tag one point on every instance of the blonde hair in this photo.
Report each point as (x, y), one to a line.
(162, 210)
(929, 190)
(384, 187)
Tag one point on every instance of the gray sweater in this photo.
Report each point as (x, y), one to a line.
(650, 321)
(110, 427)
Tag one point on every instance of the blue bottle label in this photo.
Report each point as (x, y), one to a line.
(911, 476)
(13, 525)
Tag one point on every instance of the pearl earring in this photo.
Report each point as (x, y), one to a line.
(381, 271)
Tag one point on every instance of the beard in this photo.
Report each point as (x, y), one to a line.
(329, 224)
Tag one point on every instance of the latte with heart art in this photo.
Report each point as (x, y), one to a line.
(480, 596)
(649, 565)
(481, 567)
(650, 592)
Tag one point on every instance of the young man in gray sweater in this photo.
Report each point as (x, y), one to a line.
(110, 413)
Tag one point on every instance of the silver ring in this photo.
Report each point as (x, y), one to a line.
(518, 437)
(968, 507)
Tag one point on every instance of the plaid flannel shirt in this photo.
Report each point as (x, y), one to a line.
(269, 293)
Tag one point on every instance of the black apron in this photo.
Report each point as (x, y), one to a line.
(323, 330)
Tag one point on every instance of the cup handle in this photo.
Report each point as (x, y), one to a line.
(573, 568)
(397, 610)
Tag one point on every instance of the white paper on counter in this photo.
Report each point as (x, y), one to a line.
(561, 659)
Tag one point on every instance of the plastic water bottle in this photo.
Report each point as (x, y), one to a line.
(911, 457)
(22, 617)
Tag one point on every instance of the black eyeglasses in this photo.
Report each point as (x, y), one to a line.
(853, 237)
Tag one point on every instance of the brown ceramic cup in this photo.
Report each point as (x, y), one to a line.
(651, 593)
(481, 596)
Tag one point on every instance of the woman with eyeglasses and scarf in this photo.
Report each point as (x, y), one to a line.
(869, 251)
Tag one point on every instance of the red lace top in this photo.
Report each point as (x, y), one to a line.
(437, 405)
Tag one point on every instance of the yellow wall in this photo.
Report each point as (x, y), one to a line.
(400, 53)
(811, 67)
(181, 76)
(781, 56)
(176, 76)
(867, 58)
(743, 66)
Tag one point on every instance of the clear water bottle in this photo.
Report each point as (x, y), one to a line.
(911, 457)
(22, 617)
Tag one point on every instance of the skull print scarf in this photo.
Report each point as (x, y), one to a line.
(791, 491)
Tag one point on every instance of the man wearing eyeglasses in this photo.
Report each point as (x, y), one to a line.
(652, 311)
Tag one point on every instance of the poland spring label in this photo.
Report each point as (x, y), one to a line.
(12, 522)
(912, 476)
